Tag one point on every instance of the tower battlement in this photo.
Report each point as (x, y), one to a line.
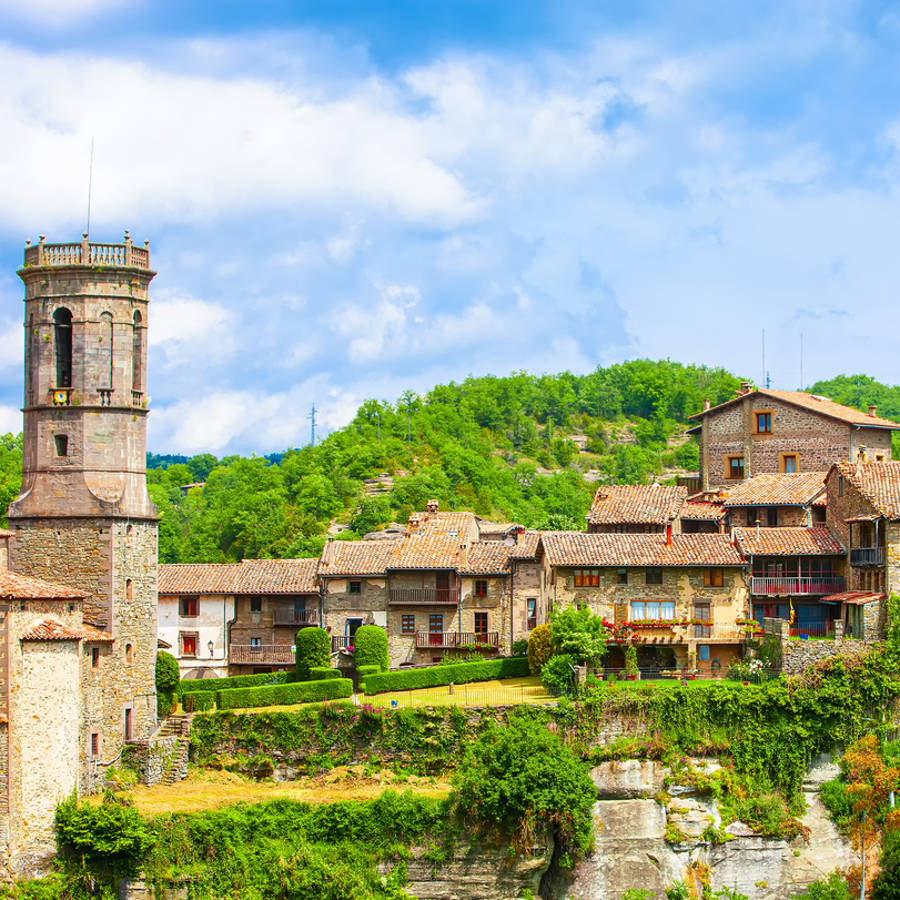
(88, 253)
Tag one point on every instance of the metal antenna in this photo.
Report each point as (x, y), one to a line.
(312, 425)
(764, 374)
(801, 361)
(90, 182)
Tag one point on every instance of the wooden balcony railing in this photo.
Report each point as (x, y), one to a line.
(867, 556)
(87, 253)
(423, 596)
(426, 640)
(794, 586)
(261, 654)
(295, 617)
(340, 642)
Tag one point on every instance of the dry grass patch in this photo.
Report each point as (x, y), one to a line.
(505, 692)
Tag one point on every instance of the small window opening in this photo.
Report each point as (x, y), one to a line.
(62, 331)
(62, 444)
(137, 352)
(256, 604)
(95, 743)
(129, 589)
(355, 587)
(129, 654)
(95, 657)
(129, 724)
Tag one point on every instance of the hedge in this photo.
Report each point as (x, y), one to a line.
(321, 673)
(433, 676)
(195, 685)
(197, 701)
(282, 694)
(365, 671)
(370, 647)
(313, 649)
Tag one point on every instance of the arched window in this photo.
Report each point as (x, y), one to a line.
(129, 654)
(31, 362)
(106, 350)
(62, 329)
(137, 352)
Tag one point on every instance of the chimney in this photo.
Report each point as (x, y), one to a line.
(432, 507)
(463, 555)
(873, 409)
(706, 404)
(745, 388)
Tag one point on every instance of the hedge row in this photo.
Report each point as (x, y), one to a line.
(366, 671)
(214, 685)
(322, 673)
(197, 701)
(282, 694)
(433, 676)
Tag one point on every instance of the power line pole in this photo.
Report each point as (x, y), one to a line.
(312, 425)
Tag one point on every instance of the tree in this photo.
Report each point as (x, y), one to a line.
(539, 648)
(313, 649)
(370, 647)
(578, 633)
(166, 681)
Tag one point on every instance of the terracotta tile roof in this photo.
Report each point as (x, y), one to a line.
(814, 403)
(95, 634)
(527, 546)
(878, 482)
(697, 509)
(798, 489)
(494, 529)
(574, 548)
(652, 504)
(486, 558)
(199, 578)
(14, 586)
(279, 576)
(794, 541)
(51, 630)
(432, 550)
(854, 598)
(356, 557)
(452, 524)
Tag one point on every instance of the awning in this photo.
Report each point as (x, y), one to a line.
(864, 517)
(853, 598)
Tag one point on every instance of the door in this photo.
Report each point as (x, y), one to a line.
(442, 583)
(435, 629)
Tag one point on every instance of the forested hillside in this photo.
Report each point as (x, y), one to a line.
(524, 448)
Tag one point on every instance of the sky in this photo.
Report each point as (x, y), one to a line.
(346, 200)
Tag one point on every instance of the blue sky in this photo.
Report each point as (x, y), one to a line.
(345, 200)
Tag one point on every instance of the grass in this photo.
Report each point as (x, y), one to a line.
(506, 692)
(206, 789)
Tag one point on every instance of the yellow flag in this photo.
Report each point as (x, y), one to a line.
(792, 611)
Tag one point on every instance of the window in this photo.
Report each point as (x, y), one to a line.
(129, 589)
(95, 657)
(713, 577)
(653, 576)
(95, 744)
(652, 610)
(481, 623)
(129, 653)
(763, 423)
(532, 613)
(703, 652)
(840, 485)
(129, 723)
(879, 457)
(355, 587)
(587, 578)
(772, 517)
(256, 642)
(621, 576)
(734, 466)
(789, 463)
(408, 623)
(105, 369)
(188, 644)
(481, 588)
(62, 332)
(61, 441)
(436, 623)
(256, 604)
(137, 352)
(190, 607)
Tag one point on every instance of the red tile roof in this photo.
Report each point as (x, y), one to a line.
(199, 578)
(796, 489)
(356, 557)
(854, 598)
(526, 547)
(878, 482)
(814, 403)
(620, 504)
(279, 576)
(486, 558)
(574, 548)
(95, 635)
(794, 541)
(51, 630)
(432, 550)
(698, 509)
(14, 586)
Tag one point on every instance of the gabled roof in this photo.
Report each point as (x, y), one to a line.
(796, 489)
(575, 548)
(527, 545)
(701, 510)
(51, 630)
(279, 576)
(878, 482)
(431, 550)
(356, 557)
(14, 586)
(486, 558)
(452, 524)
(647, 504)
(813, 403)
(199, 578)
(794, 541)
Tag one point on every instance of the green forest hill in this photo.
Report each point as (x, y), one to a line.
(521, 448)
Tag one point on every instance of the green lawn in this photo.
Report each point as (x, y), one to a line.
(505, 692)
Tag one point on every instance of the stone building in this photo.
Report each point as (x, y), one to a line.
(766, 431)
(684, 594)
(83, 518)
(635, 508)
(777, 500)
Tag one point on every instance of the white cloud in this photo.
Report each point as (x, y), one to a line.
(10, 419)
(187, 331)
(380, 330)
(11, 344)
(57, 14)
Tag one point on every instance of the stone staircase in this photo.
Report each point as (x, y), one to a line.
(163, 757)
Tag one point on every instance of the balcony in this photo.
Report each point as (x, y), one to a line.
(432, 640)
(812, 630)
(340, 642)
(867, 556)
(261, 655)
(793, 586)
(423, 596)
(295, 617)
(88, 253)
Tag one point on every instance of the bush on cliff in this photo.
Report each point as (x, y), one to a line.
(313, 649)
(370, 647)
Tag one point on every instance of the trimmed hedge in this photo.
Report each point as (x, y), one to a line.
(214, 685)
(197, 701)
(366, 671)
(323, 673)
(434, 676)
(313, 650)
(370, 647)
(282, 694)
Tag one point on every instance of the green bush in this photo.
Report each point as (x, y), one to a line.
(834, 888)
(838, 803)
(370, 647)
(539, 648)
(197, 701)
(166, 682)
(434, 676)
(887, 883)
(557, 675)
(313, 650)
(578, 633)
(282, 694)
(520, 647)
(195, 685)
(322, 673)
(366, 671)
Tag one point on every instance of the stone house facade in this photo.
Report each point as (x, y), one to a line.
(767, 431)
(777, 500)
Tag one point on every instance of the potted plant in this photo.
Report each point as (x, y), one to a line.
(632, 673)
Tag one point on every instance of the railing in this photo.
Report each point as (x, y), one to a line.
(867, 556)
(531, 623)
(136, 398)
(703, 631)
(451, 639)
(105, 396)
(340, 642)
(791, 585)
(261, 654)
(86, 253)
(295, 617)
(423, 596)
(813, 630)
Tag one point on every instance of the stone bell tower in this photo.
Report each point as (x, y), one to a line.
(84, 517)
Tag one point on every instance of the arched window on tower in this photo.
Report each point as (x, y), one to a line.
(30, 362)
(62, 330)
(137, 352)
(105, 368)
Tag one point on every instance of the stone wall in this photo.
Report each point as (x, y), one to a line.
(797, 655)
(341, 605)
(215, 611)
(528, 581)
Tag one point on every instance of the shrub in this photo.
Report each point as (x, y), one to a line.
(539, 648)
(166, 682)
(195, 685)
(631, 666)
(313, 649)
(283, 694)
(197, 701)
(525, 779)
(838, 803)
(580, 634)
(834, 887)
(520, 647)
(434, 676)
(887, 883)
(557, 675)
(322, 673)
(365, 671)
(370, 647)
